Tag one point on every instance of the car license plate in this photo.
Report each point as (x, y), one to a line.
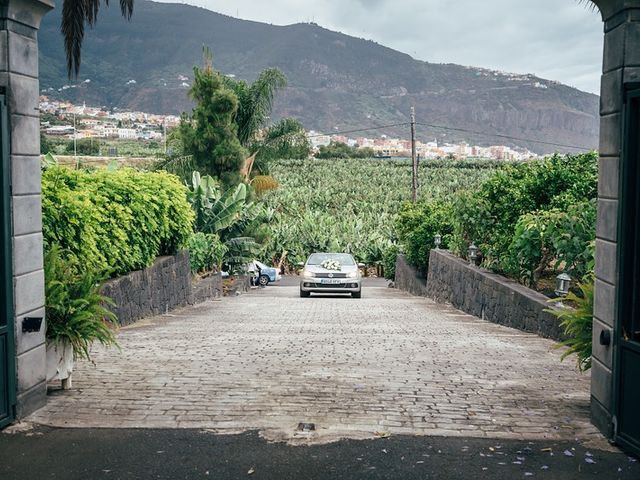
(330, 281)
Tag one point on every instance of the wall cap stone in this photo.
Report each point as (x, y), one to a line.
(27, 12)
(609, 8)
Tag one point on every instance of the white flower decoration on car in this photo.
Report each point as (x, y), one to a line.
(331, 265)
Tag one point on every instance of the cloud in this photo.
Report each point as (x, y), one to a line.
(555, 39)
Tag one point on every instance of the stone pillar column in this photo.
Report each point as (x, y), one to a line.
(19, 23)
(621, 67)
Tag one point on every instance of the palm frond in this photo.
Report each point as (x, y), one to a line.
(75, 14)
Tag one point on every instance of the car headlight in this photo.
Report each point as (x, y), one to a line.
(352, 275)
(307, 274)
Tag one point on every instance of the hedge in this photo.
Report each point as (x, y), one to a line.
(114, 221)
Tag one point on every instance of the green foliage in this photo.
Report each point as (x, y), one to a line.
(561, 237)
(206, 252)
(286, 139)
(76, 311)
(203, 193)
(416, 227)
(342, 150)
(83, 146)
(239, 223)
(180, 166)
(255, 101)
(210, 135)
(489, 216)
(577, 322)
(45, 144)
(351, 206)
(389, 261)
(114, 221)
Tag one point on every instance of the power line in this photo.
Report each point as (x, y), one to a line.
(455, 129)
(359, 130)
(504, 136)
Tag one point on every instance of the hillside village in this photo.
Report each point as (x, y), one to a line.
(97, 122)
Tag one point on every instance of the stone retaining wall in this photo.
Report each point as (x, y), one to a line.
(479, 292)
(489, 296)
(206, 288)
(408, 279)
(164, 286)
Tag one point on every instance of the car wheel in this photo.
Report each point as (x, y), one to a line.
(356, 294)
(304, 294)
(263, 280)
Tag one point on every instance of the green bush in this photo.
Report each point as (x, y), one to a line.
(489, 216)
(114, 222)
(416, 227)
(84, 146)
(206, 252)
(389, 261)
(76, 311)
(562, 237)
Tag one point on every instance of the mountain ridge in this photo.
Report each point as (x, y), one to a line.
(336, 82)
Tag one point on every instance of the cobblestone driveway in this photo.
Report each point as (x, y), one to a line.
(388, 362)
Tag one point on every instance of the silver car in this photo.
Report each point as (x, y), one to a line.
(331, 273)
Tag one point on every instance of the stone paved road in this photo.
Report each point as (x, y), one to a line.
(388, 362)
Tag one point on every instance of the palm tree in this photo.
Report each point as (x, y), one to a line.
(75, 15)
(255, 101)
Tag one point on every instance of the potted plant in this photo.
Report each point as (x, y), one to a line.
(76, 312)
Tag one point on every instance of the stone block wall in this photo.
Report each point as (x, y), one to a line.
(481, 293)
(206, 289)
(408, 279)
(162, 287)
(620, 72)
(20, 20)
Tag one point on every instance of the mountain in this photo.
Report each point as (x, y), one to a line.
(336, 82)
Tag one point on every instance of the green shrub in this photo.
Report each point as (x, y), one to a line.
(206, 252)
(561, 237)
(114, 222)
(577, 322)
(76, 311)
(489, 216)
(416, 227)
(85, 146)
(389, 261)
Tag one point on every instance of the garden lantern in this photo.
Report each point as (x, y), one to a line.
(473, 254)
(437, 240)
(563, 282)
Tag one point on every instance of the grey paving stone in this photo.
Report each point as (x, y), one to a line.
(387, 362)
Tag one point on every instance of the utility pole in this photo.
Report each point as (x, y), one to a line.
(75, 142)
(414, 160)
(164, 131)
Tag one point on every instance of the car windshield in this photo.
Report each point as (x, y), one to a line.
(341, 258)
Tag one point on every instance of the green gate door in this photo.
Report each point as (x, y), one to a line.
(627, 364)
(7, 370)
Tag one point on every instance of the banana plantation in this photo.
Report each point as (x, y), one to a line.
(351, 205)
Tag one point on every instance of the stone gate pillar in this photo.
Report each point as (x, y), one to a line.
(19, 23)
(621, 70)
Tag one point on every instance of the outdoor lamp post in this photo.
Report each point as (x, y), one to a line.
(473, 254)
(437, 240)
(563, 282)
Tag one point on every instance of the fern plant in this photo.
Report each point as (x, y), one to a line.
(577, 323)
(76, 311)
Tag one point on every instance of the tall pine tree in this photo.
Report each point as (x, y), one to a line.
(210, 134)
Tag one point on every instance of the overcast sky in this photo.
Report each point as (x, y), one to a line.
(554, 39)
